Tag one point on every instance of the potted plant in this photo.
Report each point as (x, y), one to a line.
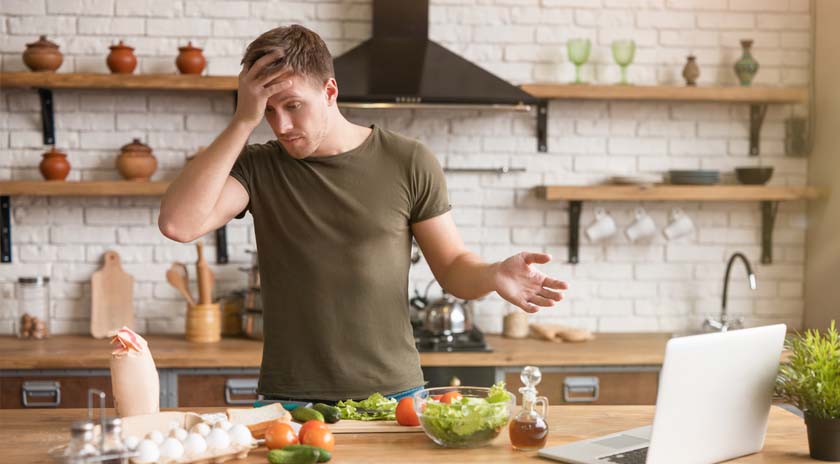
(810, 380)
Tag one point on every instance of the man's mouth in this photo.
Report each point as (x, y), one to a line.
(291, 139)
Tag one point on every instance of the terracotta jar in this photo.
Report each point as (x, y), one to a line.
(54, 165)
(42, 55)
(136, 161)
(691, 71)
(190, 60)
(121, 60)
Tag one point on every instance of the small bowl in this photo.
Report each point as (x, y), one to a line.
(446, 431)
(754, 175)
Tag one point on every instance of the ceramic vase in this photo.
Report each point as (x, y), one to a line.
(54, 165)
(747, 66)
(121, 60)
(691, 71)
(42, 55)
(136, 161)
(190, 60)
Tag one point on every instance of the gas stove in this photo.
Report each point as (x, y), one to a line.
(463, 342)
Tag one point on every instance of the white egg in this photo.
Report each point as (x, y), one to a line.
(171, 449)
(224, 424)
(178, 433)
(218, 439)
(173, 425)
(240, 435)
(147, 451)
(155, 436)
(194, 445)
(131, 442)
(201, 428)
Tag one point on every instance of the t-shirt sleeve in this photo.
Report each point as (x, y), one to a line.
(429, 197)
(243, 171)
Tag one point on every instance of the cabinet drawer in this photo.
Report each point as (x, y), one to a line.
(52, 391)
(619, 387)
(196, 390)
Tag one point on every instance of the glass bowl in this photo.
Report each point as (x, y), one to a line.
(466, 422)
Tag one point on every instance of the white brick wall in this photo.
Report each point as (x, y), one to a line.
(618, 286)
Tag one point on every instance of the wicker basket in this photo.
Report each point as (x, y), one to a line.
(204, 323)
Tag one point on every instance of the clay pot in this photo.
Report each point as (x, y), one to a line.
(691, 71)
(190, 60)
(42, 56)
(136, 161)
(121, 60)
(54, 166)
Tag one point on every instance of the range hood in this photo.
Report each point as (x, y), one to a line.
(400, 67)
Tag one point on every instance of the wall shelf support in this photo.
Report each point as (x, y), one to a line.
(542, 125)
(575, 207)
(5, 229)
(47, 115)
(768, 219)
(757, 113)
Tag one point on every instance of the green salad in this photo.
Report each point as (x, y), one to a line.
(376, 407)
(466, 421)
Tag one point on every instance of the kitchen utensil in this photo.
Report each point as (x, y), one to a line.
(754, 175)
(447, 316)
(356, 426)
(204, 323)
(205, 277)
(680, 225)
(136, 161)
(623, 52)
(178, 278)
(252, 324)
(602, 227)
(642, 227)
(515, 324)
(638, 179)
(253, 273)
(121, 60)
(112, 297)
(190, 60)
(42, 55)
(232, 306)
(487, 422)
(54, 165)
(33, 316)
(694, 177)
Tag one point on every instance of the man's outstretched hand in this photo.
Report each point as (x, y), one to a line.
(525, 286)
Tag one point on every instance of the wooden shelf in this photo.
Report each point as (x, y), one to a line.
(44, 188)
(666, 192)
(732, 94)
(50, 80)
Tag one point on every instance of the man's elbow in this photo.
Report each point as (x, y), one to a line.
(171, 231)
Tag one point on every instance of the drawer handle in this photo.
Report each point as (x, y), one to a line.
(241, 387)
(580, 389)
(41, 389)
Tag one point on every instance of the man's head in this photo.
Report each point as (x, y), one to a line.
(301, 115)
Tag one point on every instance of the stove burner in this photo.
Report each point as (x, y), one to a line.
(468, 341)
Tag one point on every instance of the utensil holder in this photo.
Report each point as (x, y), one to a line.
(204, 323)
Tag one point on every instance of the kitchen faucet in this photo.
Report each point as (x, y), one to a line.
(723, 324)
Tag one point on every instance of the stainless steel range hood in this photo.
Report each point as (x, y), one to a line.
(400, 67)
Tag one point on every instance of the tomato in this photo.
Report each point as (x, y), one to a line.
(321, 438)
(311, 425)
(405, 412)
(437, 397)
(450, 397)
(279, 435)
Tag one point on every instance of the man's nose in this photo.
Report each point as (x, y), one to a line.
(285, 123)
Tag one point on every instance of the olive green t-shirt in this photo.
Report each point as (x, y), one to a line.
(334, 242)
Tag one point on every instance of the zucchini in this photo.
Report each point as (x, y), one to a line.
(323, 455)
(295, 456)
(331, 413)
(303, 414)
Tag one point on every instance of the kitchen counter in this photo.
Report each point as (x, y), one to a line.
(84, 352)
(29, 434)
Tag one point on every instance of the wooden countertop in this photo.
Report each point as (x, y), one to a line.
(28, 434)
(83, 352)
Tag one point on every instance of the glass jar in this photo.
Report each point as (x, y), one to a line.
(33, 318)
(81, 446)
(112, 442)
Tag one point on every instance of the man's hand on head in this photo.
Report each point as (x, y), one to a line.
(518, 282)
(256, 86)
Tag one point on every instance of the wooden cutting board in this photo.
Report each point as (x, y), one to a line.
(112, 297)
(355, 426)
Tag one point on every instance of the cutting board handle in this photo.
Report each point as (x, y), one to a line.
(112, 259)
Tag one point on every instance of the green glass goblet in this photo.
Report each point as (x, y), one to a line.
(578, 50)
(623, 53)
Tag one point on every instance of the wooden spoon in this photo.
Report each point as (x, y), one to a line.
(177, 277)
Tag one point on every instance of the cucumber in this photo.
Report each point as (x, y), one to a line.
(296, 456)
(323, 455)
(331, 413)
(303, 414)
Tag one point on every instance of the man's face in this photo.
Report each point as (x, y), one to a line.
(298, 115)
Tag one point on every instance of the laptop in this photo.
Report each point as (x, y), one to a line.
(713, 402)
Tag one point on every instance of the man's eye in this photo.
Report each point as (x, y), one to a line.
(269, 109)
(293, 106)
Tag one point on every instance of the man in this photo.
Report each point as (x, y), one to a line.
(335, 206)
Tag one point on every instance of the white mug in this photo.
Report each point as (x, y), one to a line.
(642, 227)
(602, 227)
(680, 225)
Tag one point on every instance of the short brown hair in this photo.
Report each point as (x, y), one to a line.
(305, 53)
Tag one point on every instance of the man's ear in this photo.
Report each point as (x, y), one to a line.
(331, 91)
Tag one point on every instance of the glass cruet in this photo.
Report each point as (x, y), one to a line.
(529, 429)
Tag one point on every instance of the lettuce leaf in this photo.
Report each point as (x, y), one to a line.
(468, 419)
(385, 408)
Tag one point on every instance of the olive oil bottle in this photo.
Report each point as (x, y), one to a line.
(529, 429)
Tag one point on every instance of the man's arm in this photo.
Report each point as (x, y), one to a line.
(204, 197)
(463, 274)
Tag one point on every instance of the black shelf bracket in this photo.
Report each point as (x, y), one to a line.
(5, 229)
(47, 115)
(221, 245)
(575, 207)
(542, 126)
(768, 219)
(757, 112)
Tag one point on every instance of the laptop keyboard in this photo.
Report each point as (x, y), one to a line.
(637, 456)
